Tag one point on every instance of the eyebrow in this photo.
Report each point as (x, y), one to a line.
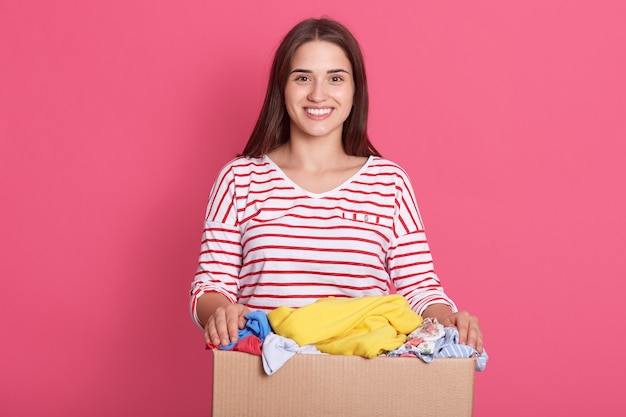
(306, 71)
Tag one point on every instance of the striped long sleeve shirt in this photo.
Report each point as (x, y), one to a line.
(267, 242)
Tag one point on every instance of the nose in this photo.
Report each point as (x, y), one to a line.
(318, 92)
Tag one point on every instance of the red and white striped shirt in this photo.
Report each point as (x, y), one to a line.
(267, 242)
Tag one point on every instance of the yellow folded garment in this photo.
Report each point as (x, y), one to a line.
(365, 326)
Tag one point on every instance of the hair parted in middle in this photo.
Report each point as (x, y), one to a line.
(272, 127)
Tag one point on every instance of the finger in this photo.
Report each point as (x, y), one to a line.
(207, 336)
(479, 339)
(242, 318)
(472, 337)
(233, 328)
(480, 345)
(221, 327)
(210, 333)
(476, 341)
(462, 325)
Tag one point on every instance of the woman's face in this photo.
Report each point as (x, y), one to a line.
(319, 90)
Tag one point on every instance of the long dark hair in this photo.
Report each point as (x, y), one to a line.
(272, 127)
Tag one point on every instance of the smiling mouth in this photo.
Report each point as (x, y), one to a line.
(318, 112)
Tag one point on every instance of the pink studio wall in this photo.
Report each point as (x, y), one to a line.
(115, 117)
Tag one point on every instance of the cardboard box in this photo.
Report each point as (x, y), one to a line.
(342, 386)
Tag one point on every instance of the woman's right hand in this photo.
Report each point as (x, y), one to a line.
(222, 327)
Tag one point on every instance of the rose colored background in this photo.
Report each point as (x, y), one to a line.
(116, 116)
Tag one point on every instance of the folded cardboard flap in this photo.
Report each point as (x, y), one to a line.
(342, 386)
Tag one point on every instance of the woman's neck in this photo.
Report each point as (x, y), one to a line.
(316, 170)
(311, 154)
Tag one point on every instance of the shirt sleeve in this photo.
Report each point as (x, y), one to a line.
(409, 260)
(220, 250)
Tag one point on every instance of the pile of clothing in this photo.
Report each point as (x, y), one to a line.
(367, 326)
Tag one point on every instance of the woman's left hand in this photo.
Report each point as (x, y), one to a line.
(469, 330)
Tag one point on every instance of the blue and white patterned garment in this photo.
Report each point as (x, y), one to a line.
(446, 347)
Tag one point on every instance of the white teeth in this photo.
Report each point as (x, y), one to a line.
(318, 112)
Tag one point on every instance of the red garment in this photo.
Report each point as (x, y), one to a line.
(250, 344)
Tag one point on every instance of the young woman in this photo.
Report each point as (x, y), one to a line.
(310, 209)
